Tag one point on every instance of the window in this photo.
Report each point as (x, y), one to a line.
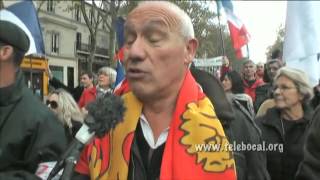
(70, 73)
(50, 6)
(78, 40)
(77, 13)
(55, 39)
(57, 72)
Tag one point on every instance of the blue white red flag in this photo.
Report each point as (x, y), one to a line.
(119, 56)
(25, 16)
(302, 38)
(238, 32)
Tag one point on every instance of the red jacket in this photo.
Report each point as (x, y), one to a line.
(251, 90)
(88, 95)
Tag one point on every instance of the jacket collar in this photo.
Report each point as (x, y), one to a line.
(272, 117)
(12, 93)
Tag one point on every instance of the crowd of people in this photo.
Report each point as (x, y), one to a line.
(172, 108)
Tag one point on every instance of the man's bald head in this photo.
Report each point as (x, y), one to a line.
(174, 17)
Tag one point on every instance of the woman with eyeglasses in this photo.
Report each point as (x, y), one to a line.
(284, 126)
(67, 111)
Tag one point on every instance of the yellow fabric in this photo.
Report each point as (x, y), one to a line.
(118, 136)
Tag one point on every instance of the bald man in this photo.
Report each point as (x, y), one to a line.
(168, 116)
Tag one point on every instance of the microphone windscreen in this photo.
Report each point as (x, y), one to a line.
(105, 113)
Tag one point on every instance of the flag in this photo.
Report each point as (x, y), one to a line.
(302, 38)
(238, 32)
(24, 15)
(119, 56)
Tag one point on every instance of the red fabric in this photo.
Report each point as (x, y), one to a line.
(119, 56)
(260, 74)
(224, 69)
(239, 38)
(239, 53)
(88, 95)
(251, 90)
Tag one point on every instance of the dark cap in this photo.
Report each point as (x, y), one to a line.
(13, 35)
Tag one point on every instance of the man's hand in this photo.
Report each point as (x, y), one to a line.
(48, 71)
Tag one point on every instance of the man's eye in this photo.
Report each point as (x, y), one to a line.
(154, 40)
(129, 39)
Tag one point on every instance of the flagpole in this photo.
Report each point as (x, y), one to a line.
(248, 51)
(220, 30)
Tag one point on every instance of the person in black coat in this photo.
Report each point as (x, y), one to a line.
(265, 91)
(29, 132)
(284, 127)
(309, 168)
(239, 127)
(316, 99)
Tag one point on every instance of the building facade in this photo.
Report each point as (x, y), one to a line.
(67, 39)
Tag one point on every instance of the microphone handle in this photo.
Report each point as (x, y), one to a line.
(68, 168)
(73, 151)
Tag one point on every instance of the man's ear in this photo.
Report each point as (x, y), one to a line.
(192, 46)
(5, 53)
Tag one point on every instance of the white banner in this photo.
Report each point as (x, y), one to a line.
(302, 37)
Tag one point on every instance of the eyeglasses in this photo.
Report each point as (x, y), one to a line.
(283, 88)
(52, 104)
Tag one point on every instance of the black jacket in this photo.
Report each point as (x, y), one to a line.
(310, 167)
(283, 163)
(238, 126)
(29, 132)
(263, 93)
(75, 92)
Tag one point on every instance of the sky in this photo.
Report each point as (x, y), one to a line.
(262, 20)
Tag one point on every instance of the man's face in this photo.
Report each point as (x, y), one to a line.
(272, 69)
(86, 81)
(7, 65)
(260, 68)
(249, 70)
(156, 54)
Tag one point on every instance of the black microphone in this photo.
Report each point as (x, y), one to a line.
(103, 114)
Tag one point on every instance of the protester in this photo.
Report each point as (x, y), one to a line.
(85, 82)
(238, 125)
(106, 79)
(30, 133)
(89, 93)
(287, 123)
(260, 70)
(167, 113)
(250, 79)
(233, 85)
(225, 66)
(264, 91)
(67, 111)
(309, 169)
(316, 99)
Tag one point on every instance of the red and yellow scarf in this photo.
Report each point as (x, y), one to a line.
(194, 124)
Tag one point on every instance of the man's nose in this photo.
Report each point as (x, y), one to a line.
(137, 50)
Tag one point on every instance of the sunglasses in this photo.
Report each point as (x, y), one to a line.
(52, 104)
